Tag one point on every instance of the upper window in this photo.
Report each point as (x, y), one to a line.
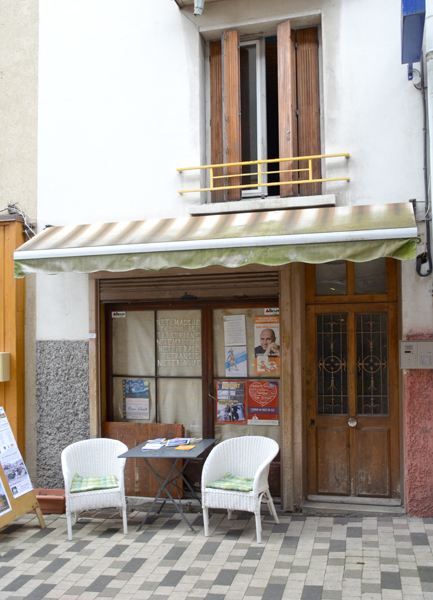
(265, 104)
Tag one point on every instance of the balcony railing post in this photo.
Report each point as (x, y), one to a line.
(310, 169)
(211, 178)
(259, 173)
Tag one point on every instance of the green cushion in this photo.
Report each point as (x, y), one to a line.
(85, 484)
(232, 482)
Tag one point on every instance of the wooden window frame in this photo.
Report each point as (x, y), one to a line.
(350, 296)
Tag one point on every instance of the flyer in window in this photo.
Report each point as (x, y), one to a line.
(236, 361)
(230, 401)
(267, 344)
(12, 462)
(263, 403)
(234, 330)
(136, 399)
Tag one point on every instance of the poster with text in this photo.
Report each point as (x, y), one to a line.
(262, 402)
(234, 330)
(236, 361)
(230, 401)
(136, 399)
(11, 460)
(267, 345)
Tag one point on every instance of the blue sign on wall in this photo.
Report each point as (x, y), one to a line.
(412, 28)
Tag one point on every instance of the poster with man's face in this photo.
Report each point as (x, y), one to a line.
(267, 345)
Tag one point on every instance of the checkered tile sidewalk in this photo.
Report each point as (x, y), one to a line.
(302, 558)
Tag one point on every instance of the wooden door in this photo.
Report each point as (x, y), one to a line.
(352, 400)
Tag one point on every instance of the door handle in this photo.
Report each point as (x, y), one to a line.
(352, 422)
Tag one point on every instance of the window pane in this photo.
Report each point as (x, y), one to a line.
(179, 401)
(370, 277)
(372, 363)
(332, 391)
(134, 344)
(248, 60)
(331, 278)
(178, 339)
(225, 432)
(220, 354)
(119, 404)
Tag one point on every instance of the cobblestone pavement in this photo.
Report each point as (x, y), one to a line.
(306, 558)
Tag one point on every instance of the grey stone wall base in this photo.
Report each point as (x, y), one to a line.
(62, 404)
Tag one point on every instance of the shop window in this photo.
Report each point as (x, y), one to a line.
(156, 368)
(265, 103)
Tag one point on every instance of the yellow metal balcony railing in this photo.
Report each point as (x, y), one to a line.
(262, 174)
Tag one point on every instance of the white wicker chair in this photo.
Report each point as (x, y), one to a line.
(94, 458)
(247, 456)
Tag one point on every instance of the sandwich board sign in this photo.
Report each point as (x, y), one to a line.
(16, 491)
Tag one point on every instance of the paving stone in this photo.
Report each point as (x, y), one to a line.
(78, 546)
(10, 554)
(17, 583)
(55, 565)
(390, 581)
(116, 551)
(108, 533)
(312, 592)
(225, 577)
(133, 565)
(426, 574)
(40, 592)
(419, 539)
(99, 584)
(44, 550)
(172, 578)
(254, 553)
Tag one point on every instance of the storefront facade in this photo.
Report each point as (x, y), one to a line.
(153, 282)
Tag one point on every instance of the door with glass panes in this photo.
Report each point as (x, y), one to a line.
(352, 383)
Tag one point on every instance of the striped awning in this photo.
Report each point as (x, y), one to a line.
(310, 235)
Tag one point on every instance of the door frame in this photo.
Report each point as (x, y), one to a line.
(389, 301)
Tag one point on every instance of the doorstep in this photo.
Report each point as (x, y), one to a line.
(352, 506)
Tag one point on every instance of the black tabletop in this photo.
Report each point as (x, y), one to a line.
(168, 452)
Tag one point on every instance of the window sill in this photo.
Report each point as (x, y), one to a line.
(275, 203)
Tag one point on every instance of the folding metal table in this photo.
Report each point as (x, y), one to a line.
(174, 475)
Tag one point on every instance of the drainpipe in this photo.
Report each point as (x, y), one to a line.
(198, 7)
(428, 108)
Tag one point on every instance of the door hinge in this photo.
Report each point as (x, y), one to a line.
(296, 45)
(297, 112)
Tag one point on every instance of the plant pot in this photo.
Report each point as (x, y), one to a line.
(51, 502)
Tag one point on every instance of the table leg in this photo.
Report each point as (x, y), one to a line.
(168, 491)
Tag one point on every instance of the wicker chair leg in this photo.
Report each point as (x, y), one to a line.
(258, 527)
(125, 520)
(69, 524)
(271, 506)
(230, 514)
(206, 520)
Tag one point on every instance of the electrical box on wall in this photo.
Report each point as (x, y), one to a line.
(5, 366)
(416, 354)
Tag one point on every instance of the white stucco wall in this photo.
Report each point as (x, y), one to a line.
(121, 106)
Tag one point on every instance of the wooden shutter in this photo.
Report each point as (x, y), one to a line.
(216, 115)
(307, 59)
(231, 97)
(287, 124)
